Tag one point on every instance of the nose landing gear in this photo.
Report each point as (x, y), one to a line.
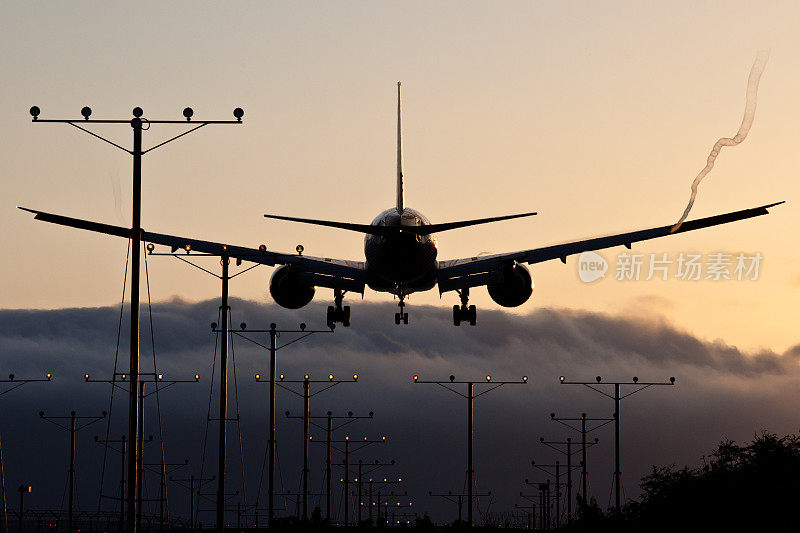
(338, 313)
(464, 312)
(401, 316)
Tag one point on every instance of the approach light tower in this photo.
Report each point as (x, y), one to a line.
(138, 124)
(72, 428)
(329, 429)
(584, 430)
(617, 397)
(273, 348)
(306, 417)
(470, 397)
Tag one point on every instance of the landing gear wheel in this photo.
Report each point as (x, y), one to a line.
(397, 318)
(464, 312)
(337, 313)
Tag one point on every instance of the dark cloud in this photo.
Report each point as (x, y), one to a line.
(721, 392)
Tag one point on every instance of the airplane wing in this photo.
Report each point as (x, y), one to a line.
(318, 271)
(476, 271)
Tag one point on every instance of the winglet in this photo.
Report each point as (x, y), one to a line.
(399, 158)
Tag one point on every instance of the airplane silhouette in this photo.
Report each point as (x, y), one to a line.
(400, 249)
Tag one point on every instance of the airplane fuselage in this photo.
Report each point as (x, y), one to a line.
(400, 263)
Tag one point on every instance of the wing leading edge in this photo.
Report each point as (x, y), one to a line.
(321, 272)
(472, 272)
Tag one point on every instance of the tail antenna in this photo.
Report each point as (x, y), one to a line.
(399, 158)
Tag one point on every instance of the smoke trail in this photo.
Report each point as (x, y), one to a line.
(747, 121)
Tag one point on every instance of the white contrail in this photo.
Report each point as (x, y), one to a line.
(747, 121)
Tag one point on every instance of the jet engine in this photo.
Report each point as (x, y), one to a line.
(287, 290)
(516, 287)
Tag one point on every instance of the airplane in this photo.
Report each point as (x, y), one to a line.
(400, 249)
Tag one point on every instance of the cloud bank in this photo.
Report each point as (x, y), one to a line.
(721, 392)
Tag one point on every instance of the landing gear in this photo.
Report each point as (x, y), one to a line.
(401, 316)
(337, 312)
(464, 312)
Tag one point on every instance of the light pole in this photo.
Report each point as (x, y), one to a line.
(73, 428)
(274, 334)
(569, 452)
(584, 431)
(137, 124)
(557, 474)
(470, 397)
(358, 445)
(530, 510)
(306, 395)
(23, 489)
(195, 484)
(16, 383)
(329, 428)
(617, 397)
(164, 469)
(544, 503)
(371, 483)
(372, 467)
(119, 381)
(123, 451)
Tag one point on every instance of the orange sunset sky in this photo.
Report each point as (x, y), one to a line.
(596, 115)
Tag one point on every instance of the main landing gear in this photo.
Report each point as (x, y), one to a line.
(464, 312)
(337, 313)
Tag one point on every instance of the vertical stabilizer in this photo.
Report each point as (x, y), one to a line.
(399, 158)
